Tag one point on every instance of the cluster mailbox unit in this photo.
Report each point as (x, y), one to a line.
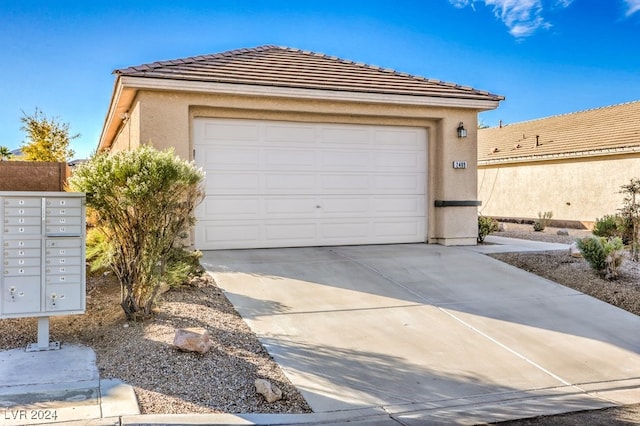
(42, 256)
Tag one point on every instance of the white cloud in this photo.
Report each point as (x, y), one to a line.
(521, 17)
(633, 6)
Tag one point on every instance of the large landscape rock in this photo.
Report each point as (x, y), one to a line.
(192, 340)
(270, 391)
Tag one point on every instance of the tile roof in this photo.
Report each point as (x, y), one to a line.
(601, 131)
(293, 68)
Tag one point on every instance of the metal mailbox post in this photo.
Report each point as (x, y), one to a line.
(42, 258)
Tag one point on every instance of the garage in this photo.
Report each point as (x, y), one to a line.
(306, 149)
(293, 184)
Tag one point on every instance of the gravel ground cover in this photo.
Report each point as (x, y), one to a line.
(166, 380)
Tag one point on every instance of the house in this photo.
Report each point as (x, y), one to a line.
(305, 149)
(572, 165)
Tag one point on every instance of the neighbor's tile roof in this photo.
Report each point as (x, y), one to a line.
(602, 131)
(292, 68)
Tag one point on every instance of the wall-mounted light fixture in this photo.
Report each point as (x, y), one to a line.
(462, 132)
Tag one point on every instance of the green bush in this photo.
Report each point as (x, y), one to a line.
(592, 251)
(486, 225)
(604, 255)
(142, 202)
(544, 219)
(608, 226)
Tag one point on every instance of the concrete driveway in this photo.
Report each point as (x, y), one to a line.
(429, 333)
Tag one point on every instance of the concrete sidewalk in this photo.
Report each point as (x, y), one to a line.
(59, 386)
(496, 244)
(427, 333)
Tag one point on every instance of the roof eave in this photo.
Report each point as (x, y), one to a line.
(126, 87)
(118, 105)
(560, 156)
(304, 93)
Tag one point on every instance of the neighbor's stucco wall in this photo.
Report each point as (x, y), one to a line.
(165, 118)
(579, 190)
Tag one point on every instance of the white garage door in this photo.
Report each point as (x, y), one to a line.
(285, 184)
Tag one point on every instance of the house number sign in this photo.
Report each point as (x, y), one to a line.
(42, 255)
(459, 164)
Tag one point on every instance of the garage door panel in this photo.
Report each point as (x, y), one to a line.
(397, 228)
(296, 207)
(399, 184)
(342, 160)
(280, 184)
(344, 136)
(286, 183)
(230, 158)
(228, 234)
(333, 183)
(345, 206)
(346, 232)
(290, 159)
(401, 162)
(291, 132)
(233, 207)
(290, 233)
(231, 130)
(398, 139)
(399, 206)
(226, 182)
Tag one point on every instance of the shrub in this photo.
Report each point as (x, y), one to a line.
(544, 219)
(608, 226)
(614, 226)
(630, 212)
(143, 203)
(486, 225)
(605, 255)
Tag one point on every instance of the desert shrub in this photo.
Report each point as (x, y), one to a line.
(630, 212)
(543, 220)
(605, 255)
(486, 225)
(143, 203)
(608, 226)
(182, 265)
(614, 226)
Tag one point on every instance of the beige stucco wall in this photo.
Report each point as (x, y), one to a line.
(128, 136)
(579, 190)
(164, 120)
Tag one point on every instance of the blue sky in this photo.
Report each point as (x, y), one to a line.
(546, 57)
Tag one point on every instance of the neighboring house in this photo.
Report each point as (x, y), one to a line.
(572, 165)
(304, 149)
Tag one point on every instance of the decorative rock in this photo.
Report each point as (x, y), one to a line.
(502, 227)
(269, 391)
(573, 250)
(192, 340)
(563, 232)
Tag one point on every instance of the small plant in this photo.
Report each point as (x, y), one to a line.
(630, 212)
(486, 225)
(605, 255)
(544, 219)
